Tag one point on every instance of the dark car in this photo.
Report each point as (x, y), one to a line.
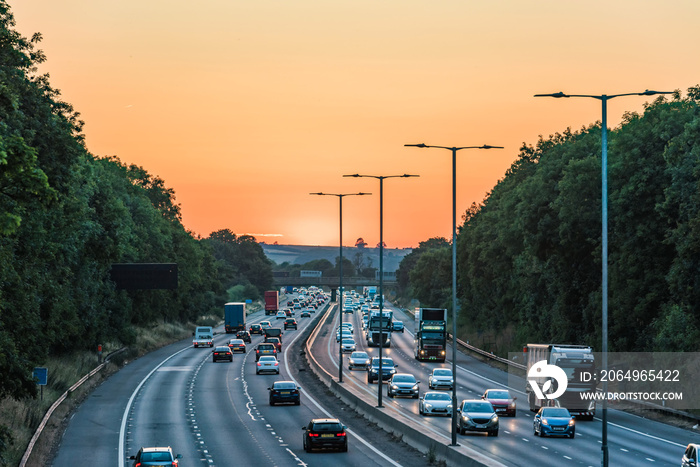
(244, 336)
(155, 456)
(325, 433)
(398, 326)
(265, 349)
(477, 415)
(236, 345)
(388, 369)
(501, 400)
(402, 384)
(305, 314)
(554, 421)
(290, 323)
(284, 391)
(256, 329)
(222, 353)
(276, 341)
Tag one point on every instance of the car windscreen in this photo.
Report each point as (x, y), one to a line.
(283, 385)
(442, 372)
(358, 355)
(477, 407)
(404, 379)
(556, 412)
(498, 395)
(437, 396)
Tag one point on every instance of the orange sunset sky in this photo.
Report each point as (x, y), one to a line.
(244, 107)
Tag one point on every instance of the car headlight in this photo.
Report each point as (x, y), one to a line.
(449, 407)
(428, 406)
(571, 422)
(415, 387)
(512, 405)
(394, 387)
(494, 418)
(465, 417)
(544, 421)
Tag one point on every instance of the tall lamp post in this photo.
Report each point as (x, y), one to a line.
(381, 269)
(340, 285)
(454, 270)
(604, 98)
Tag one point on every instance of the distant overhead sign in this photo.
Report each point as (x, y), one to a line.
(149, 276)
(310, 273)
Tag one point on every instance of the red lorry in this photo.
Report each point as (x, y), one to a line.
(272, 299)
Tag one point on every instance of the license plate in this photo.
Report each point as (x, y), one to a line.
(328, 435)
(285, 393)
(558, 428)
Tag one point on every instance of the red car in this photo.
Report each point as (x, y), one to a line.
(501, 401)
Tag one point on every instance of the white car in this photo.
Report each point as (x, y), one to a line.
(435, 403)
(342, 335)
(349, 327)
(280, 315)
(268, 364)
(441, 378)
(348, 345)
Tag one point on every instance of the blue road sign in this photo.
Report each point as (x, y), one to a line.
(41, 374)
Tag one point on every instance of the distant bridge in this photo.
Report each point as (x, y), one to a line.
(332, 282)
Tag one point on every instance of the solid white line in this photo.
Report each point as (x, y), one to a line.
(122, 430)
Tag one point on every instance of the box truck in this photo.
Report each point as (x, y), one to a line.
(234, 317)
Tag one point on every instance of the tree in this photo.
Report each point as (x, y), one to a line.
(360, 243)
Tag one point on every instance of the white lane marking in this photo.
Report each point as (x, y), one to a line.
(125, 416)
(355, 435)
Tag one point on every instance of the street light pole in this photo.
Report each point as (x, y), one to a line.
(604, 98)
(454, 271)
(381, 270)
(340, 284)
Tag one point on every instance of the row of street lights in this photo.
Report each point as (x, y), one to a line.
(604, 288)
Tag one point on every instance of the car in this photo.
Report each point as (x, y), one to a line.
(435, 403)
(398, 326)
(280, 315)
(691, 456)
(305, 314)
(237, 345)
(297, 306)
(477, 415)
(554, 421)
(325, 433)
(441, 378)
(290, 323)
(348, 327)
(276, 341)
(358, 360)
(339, 335)
(265, 325)
(244, 336)
(402, 384)
(265, 349)
(288, 313)
(255, 329)
(222, 352)
(267, 364)
(284, 391)
(388, 369)
(156, 456)
(290, 302)
(348, 345)
(501, 400)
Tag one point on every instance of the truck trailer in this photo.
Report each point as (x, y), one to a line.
(234, 317)
(272, 300)
(577, 363)
(430, 338)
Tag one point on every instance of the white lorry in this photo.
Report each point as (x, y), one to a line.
(203, 337)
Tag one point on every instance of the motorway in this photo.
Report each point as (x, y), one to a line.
(218, 413)
(632, 440)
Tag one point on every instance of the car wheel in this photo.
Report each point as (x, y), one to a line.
(344, 448)
(493, 433)
(213, 360)
(272, 402)
(420, 410)
(297, 403)
(389, 394)
(415, 396)
(257, 372)
(534, 431)
(572, 435)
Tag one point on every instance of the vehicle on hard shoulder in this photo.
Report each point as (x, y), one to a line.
(203, 337)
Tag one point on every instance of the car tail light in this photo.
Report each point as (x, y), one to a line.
(340, 434)
(259, 364)
(277, 363)
(313, 435)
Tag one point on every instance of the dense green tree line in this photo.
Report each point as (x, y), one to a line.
(529, 256)
(66, 216)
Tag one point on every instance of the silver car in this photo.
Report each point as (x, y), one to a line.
(435, 403)
(348, 345)
(267, 364)
(358, 360)
(441, 378)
